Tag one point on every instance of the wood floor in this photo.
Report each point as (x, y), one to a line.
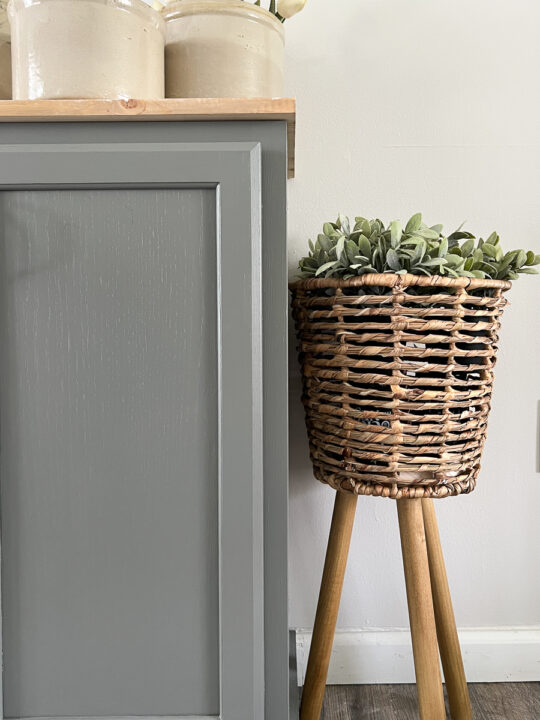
(493, 701)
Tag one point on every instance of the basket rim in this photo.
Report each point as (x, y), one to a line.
(393, 280)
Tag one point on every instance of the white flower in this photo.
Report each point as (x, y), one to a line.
(288, 8)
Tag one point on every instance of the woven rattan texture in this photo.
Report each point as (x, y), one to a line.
(397, 379)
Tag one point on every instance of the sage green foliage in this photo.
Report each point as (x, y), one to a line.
(343, 251)
(272, 9)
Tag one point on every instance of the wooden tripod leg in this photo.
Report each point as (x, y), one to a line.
(454, 674)
(328, 606)
(421, 613)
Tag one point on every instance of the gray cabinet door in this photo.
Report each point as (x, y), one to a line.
(131, 430)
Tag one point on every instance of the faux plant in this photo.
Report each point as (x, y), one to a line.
(345, 251)
(284, 9)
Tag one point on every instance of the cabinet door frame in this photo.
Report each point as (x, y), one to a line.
(233, 169)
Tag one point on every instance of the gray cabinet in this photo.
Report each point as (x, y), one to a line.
(143, 466)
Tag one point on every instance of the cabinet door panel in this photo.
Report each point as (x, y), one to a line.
(109, 462)
(131, 429)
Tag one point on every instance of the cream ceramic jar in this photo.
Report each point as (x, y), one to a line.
(220, 48)
(86, 49)
(5, 54)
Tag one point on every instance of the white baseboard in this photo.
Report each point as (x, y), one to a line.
(378, 656)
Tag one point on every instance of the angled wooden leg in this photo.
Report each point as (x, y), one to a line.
(454, 674)
(328, 606)
(421, 613)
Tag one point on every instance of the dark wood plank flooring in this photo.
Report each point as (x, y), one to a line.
(490, 701)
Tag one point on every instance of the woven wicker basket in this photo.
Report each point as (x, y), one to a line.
(397, 374)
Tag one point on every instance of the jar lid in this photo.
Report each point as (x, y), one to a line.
(182, 8)
(136, 6)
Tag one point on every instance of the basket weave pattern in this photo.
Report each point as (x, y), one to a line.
(397, 379)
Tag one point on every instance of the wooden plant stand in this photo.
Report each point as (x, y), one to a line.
(397, 374)
(430, 611)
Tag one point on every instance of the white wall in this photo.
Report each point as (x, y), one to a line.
(432, 106)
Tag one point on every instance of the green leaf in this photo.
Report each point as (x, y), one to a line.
(503, 265)
(478, 255)
(460, 235)
(443, 248)
(521, 258)
(419, 252)
(392, 259)
(340, 247)
(352, 249)
(363, 262)
(325, 243)
(358, 221)
(328, 229)
(433, 262)
(467, 248)
(428, 234)
(413, 240)
(528, 271)
(326, 266)
(343, 222)
(531, 258)
(364, 246)
(489, 250)
(395, 233)
(451, 271)
(454, 261)
(414, 223)
(376, 227)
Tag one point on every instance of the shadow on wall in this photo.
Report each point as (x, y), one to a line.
(300, 468)
(538, 440)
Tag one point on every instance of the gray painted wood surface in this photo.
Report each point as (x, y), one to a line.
(109, 461)
(272, 138)
(232, 170)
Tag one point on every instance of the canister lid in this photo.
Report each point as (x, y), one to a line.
(180, 8)
(136, 6)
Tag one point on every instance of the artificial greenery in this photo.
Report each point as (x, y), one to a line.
(342, 251)
(283, 9)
